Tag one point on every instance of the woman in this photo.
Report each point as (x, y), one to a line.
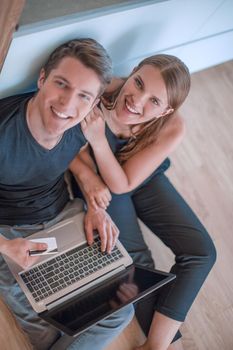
(131, 135)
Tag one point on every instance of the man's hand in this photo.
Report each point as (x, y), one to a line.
(100, 220)
(18, 250)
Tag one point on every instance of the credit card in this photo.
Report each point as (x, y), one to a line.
(52, 246)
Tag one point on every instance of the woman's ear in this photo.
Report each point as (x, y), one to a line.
(41, 78)
(167, 111)
(170, 111)
(95, 103)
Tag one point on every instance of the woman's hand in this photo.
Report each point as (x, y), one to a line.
(97, 192)
(93, 127)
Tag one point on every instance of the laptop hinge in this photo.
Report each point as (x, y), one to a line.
(85, 287)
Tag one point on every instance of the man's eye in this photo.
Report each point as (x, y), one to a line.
(60, 84)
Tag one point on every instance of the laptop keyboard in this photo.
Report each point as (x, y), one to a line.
(66, 269)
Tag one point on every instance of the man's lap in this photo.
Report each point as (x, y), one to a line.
(41, 334)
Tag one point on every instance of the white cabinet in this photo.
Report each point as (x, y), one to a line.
(198, 31)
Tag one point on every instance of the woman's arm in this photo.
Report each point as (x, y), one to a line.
(95, 191)
(121, 179)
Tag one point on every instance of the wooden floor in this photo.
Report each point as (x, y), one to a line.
(203, 173)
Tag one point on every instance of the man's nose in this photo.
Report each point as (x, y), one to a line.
(68, 100)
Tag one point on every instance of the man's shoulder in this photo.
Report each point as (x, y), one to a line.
(11, 102)
(77, 133)
(11, 106)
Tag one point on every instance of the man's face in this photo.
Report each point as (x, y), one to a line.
(66, 96)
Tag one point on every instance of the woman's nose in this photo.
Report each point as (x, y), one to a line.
(139, 99)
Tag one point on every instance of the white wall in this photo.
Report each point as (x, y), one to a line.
(199, 32)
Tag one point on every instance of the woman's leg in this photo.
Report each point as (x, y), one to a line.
(164, 211)
(122, 212)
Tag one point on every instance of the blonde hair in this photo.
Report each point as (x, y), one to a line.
(12, 336)
(176, 77)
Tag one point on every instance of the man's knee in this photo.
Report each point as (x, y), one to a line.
(122, 317)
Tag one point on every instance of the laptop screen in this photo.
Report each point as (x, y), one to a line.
(86, 309)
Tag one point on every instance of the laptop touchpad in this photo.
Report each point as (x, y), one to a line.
(67, 234)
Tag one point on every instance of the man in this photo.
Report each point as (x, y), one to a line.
(39, 136)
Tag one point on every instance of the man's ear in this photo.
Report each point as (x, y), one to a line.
(41, 78)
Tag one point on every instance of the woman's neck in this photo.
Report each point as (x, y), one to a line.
(119, 129)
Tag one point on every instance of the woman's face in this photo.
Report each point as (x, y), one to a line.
(142, 98)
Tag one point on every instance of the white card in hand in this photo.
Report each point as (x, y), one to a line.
(52, 246)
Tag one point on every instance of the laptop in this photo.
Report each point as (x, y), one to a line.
(79, 285)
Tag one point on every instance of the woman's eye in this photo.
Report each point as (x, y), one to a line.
(138, 83)
(85, 97)
(154, 101)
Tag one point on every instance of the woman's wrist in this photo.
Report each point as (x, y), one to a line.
(99, 144)
(85, 176)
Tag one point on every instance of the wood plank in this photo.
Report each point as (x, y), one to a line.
(10, 11)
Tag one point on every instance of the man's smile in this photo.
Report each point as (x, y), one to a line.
(60, 115)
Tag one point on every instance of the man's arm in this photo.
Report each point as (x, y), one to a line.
(94, 189)
(101, 221)
(96, 217)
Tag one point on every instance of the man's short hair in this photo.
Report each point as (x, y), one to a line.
(89, 52)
